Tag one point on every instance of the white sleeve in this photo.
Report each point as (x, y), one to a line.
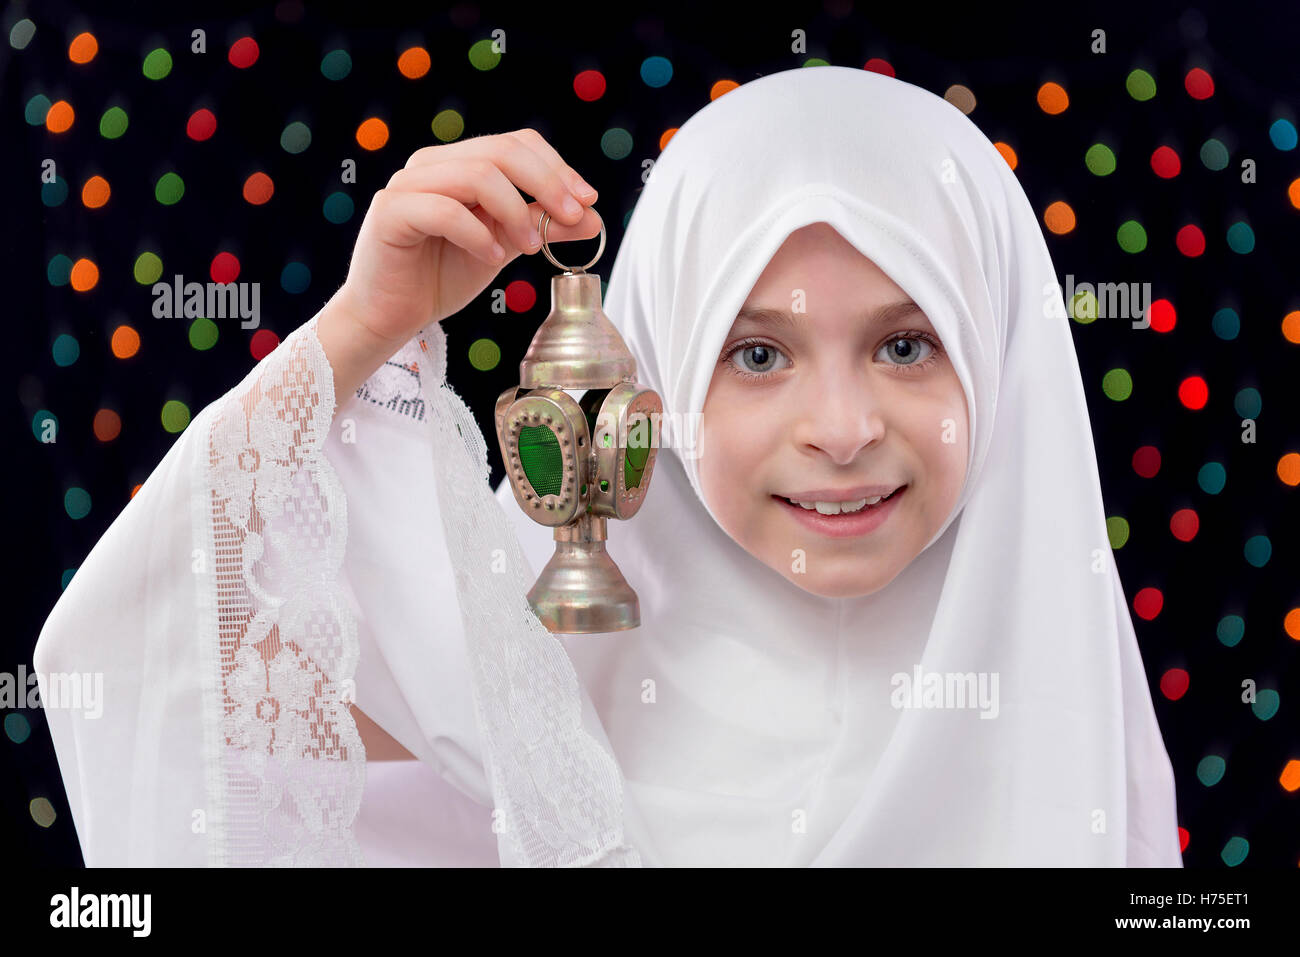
(132, 761)
(276, 565)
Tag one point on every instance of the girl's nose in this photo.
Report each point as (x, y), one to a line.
(840, 418)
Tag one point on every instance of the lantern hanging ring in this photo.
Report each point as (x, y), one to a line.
(544, 222)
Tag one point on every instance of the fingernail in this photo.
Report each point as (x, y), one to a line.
(534, 238)
(572, 206)
(497, 252)
(585, 188)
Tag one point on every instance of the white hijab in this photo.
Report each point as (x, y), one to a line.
(772, 738)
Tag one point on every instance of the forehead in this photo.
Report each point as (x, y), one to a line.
(881, 314)
(818, 274)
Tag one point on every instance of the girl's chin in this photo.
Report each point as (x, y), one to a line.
(836, 587)
(830, 573)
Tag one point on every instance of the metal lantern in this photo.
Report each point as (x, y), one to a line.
(573, 464)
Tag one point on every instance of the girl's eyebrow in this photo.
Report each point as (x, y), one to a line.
(881, 315)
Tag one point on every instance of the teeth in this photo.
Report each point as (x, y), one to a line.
(836, 508)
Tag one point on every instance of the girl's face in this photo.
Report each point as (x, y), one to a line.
(827, 391)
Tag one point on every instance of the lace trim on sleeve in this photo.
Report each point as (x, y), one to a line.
(558, 792)
(278, 642)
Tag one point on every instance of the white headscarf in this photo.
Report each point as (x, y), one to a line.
(772, 737)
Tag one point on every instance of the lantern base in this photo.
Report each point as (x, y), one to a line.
(581, 591)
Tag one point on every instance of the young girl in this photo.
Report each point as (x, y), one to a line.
(881, 619)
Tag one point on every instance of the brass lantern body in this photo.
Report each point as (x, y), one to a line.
(574, 464)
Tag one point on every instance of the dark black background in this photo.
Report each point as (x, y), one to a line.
(1250, 52)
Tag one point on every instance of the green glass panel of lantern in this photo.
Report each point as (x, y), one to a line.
(634, 461)
(637, 451)
(539, 454)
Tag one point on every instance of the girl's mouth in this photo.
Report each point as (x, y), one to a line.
(844, 524)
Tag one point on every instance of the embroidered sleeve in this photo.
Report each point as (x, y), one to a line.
(278, 644)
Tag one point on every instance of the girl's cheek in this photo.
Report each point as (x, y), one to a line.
(949, 455)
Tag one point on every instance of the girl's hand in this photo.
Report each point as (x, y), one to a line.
(426, 247)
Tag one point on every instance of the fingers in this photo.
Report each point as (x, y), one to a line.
(528, 161)
(577, 185)
(406, 218)
(475, 182)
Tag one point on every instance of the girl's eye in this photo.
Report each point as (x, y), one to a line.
(764, 359)
(907, 349)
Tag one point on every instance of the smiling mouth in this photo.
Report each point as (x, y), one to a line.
(864, 508)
